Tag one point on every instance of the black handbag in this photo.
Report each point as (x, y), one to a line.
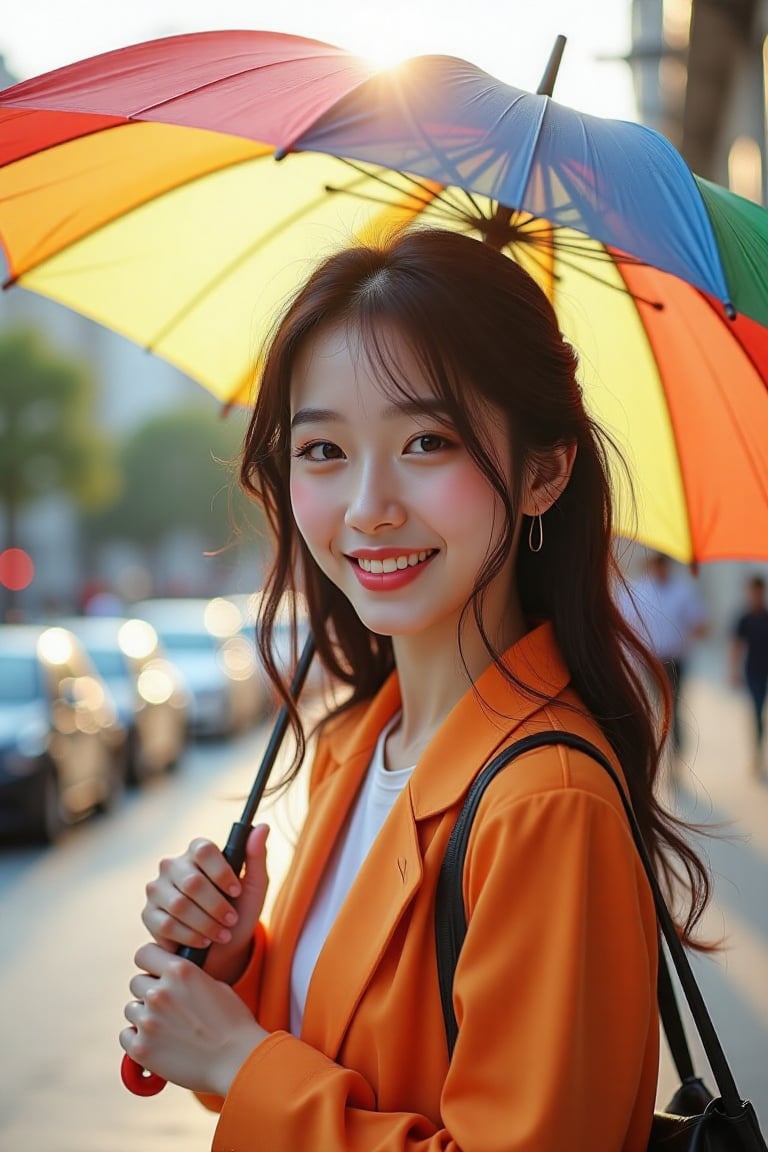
(694, 1120)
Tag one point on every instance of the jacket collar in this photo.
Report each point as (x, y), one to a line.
(474, 729)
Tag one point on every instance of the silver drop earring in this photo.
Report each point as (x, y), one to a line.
(536, 520)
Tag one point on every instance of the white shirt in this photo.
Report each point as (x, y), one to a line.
(378, 794)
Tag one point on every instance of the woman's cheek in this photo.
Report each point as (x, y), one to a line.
(310, 510)
(464, 494)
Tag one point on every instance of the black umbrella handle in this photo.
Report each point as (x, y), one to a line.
(140, 1080)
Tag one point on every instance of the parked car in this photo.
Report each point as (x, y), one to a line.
(62, 747)
(150, 695)
(318, 682)
(217, 663)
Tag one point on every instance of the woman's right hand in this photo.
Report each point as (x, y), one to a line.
(197, 900)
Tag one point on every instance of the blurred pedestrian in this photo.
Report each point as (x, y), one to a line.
(421, 447)
(749, 660)
(664, 606)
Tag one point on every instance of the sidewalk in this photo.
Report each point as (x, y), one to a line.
(716, 786)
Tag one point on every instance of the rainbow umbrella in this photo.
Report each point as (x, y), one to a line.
(178, 191)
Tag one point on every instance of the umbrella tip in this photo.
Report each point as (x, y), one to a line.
(730, 311)
(547, 85)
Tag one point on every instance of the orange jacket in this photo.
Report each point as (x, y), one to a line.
(555, 991)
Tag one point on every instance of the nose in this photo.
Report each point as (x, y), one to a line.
(375, 502)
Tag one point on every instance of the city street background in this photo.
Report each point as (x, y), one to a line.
(71, 925)
(694, 70)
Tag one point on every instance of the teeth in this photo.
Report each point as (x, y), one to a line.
(392, 563)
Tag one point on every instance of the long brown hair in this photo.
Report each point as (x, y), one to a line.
(471, 314)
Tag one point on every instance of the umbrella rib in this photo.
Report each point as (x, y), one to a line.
(192, 302)
(431, 148)
(121, 214)
(428, 195)
(591, 229)
(451, 195)
(570, 204)
(567, 206)
(759, 476)
(121, 123)
(533, 247)
(665, 400)
(450, 214)
(535, 257)
(256, 68)
(529, 231)
(580, 244)
(470, 197)
(655, 304)
(11, 280)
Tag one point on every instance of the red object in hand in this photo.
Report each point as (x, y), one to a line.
(135, 1078)
(138, 1080)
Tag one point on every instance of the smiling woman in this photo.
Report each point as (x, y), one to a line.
(448, 520)
(391, 479)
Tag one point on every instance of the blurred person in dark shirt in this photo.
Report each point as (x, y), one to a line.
(749, 659)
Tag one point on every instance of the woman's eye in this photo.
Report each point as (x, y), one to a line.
(426, 443)
(319, 450)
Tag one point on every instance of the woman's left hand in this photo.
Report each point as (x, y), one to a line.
(186, 1026)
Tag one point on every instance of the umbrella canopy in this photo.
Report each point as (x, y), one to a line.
(178, 191)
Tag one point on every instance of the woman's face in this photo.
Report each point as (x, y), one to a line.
(389, 502)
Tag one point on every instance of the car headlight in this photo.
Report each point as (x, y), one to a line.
(238, 658)
(154, 685)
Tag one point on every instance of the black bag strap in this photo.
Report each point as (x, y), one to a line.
(672, 1024)
(451, 924)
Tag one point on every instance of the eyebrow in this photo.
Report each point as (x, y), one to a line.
(431, 406)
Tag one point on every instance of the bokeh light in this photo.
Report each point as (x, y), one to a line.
(16, 569)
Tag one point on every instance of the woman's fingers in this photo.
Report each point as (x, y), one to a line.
(210, 861)
(172, 934)
(186, 904)
(135, 1013)
(179, 919)
(140, 984)
(185, 1026)
(255, 881)
(190, 902)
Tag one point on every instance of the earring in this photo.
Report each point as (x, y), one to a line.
(536, 521)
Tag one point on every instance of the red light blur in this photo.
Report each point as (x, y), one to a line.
(16, 569)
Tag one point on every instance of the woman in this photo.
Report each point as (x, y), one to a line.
(421, 449)
(748, 651)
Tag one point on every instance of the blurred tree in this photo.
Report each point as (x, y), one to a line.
(50, 440)
(179, 472)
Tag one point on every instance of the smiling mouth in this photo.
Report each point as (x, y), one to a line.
(393, 563)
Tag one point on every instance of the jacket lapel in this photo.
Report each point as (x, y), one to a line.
(385, 885)
(325, 818)
(331, 801)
